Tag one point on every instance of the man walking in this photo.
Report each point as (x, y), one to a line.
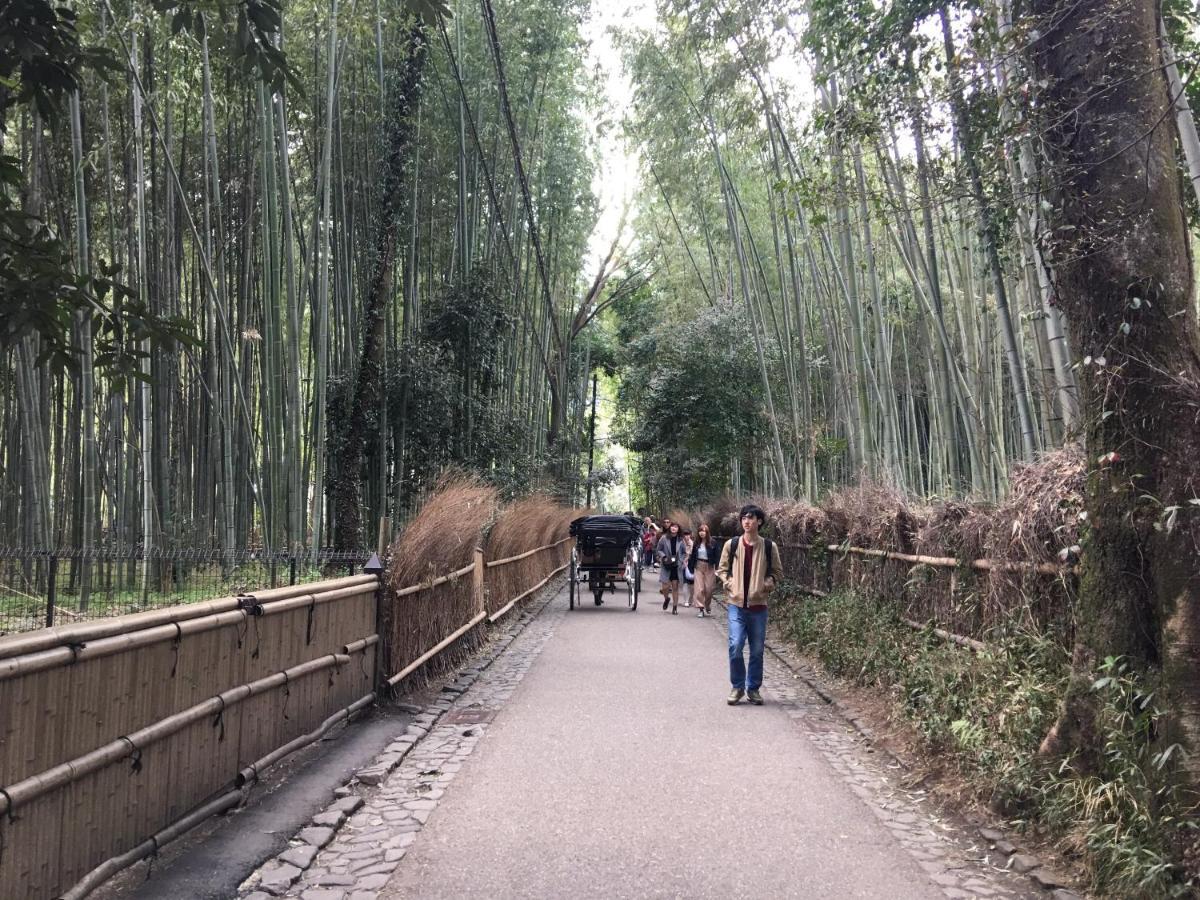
(748, 571)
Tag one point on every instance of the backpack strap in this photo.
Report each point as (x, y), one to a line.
(770, 558)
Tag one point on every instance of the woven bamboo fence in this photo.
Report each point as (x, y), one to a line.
(112, 731)
(117, 735)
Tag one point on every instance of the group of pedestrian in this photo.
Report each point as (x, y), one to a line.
(747, 568)
(686, 563)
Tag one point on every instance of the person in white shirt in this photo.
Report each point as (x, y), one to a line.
(706, 553)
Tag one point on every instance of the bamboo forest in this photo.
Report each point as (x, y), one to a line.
(914, 277)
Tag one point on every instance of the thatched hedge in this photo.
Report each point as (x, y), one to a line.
(441, 539)
(1038, 523)
(525, 525)
(463, 514)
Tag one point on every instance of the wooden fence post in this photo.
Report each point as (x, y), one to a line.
(374, 566)
(477, 577)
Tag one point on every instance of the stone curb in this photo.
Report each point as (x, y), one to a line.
(276, 876)
(1022, 863)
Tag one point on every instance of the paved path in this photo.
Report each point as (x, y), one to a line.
(596, 757)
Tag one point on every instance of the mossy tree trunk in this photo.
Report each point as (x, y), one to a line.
(363, 417)
(1124, 281)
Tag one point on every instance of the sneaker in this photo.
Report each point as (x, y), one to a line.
(734, 696)
(754, 697)
(700, 615)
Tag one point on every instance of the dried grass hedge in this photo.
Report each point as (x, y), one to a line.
(441, 539)
(1038, 522)
(524, 525)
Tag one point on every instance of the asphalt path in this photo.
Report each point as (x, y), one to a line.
(616, 769)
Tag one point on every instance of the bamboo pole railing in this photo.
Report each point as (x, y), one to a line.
(238, 624)
(944, 562)
(528, 553)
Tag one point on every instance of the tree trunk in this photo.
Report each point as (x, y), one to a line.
(362, 426)
(1124, 279)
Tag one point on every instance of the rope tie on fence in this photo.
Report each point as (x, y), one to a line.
(219, 720)
(244, 631)
(257, 639)
(135, 754)
(287, 693)
(175, 644)
(75, 647)
(154, 848)
(312, 606)
(9, 811)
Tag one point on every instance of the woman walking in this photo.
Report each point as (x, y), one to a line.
(686, 589)
(649, 539)
(706, 553)
(671, 557)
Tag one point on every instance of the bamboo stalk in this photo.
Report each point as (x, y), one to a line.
(500, 613)
(151, 845)
(82, 632)
(969, 643)
(31, 788)
(434, 650)
(251, 772)
(75, 653)
(453, 576)
(945, 562)
(527, 553)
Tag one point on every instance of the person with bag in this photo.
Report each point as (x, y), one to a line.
(749, 570)
(702, 561)
(671, 557)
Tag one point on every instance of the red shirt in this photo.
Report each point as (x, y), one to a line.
(747, 566)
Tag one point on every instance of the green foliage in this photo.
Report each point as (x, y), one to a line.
(247, 33)
(42, 57)
(447, 391)
(690, 400)
(989, 713)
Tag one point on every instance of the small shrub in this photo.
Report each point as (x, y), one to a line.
(989, 711)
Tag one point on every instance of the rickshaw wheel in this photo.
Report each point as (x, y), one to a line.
(572, 580)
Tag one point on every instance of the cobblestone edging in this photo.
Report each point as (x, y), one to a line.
(349, 850)
(989, 867)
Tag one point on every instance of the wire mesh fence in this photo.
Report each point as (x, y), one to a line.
(41, 588)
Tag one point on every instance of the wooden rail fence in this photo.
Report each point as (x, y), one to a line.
(120, 734)
(834, 565)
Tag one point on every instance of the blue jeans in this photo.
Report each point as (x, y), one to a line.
(746, 624)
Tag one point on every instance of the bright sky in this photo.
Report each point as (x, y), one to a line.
(616, 179)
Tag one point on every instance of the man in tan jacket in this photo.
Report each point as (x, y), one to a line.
(748, 571)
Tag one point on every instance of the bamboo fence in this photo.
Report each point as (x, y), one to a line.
(118, 735)
(111, 731)
(954, 601)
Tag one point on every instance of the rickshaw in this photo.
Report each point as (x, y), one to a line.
(607, 550)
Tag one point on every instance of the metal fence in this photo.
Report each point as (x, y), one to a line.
(41, 588)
